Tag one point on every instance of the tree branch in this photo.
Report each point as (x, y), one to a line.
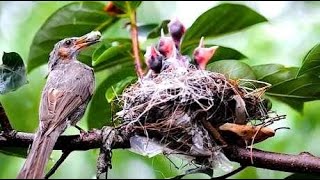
(4, 121)
(302, 163)
(89, 140)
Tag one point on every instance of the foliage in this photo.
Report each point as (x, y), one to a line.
(13, 73)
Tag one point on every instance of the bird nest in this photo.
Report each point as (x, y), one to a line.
(182, 112)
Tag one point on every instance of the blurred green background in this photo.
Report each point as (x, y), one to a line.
(292, 30)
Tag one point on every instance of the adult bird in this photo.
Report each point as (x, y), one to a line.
(202, 55)
(68, 90)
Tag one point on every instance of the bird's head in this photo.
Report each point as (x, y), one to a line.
(67, 49)
(176, 30)
(151, 55)
(166, 46)
(202, 55)
(153, 59)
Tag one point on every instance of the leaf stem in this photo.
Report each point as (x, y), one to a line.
(135, 41)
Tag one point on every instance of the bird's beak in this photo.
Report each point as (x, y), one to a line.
(201, 43)
(154, 52)
(213, 49)
(87, 40)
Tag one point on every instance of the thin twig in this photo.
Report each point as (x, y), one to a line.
(214, 133)
(135, 43)
(4, 121)
(230, 173)
(63, 157)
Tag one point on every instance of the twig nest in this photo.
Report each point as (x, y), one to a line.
(177, 108)
(169, 107)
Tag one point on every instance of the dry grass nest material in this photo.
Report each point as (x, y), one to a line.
(171, 107)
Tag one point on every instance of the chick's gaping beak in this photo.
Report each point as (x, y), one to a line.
(87, 40)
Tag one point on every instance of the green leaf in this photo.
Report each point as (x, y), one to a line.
(144, 30)
(85, 56)
(111, 54)
(116, 89)
(304, 88)
(232, 69)
(311, 62)
(263, 71)
(222, 53)
(127, 6)
(99, 112)
(13, 72)
(156, 32)
(303, 176)
(74, 19)
(14, 151)
(286, 86)
(220, 20)
(107, 55)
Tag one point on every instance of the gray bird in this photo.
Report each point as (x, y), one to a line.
(68, 90)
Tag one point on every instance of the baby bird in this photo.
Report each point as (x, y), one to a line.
(153, 59)
(202, 55)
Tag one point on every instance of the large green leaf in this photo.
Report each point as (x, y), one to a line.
(108, 55)
(304, 88)
(111, 53)
(311, 62)
(274, 73)
(222, 19)
(117, 88)
(14, 151)
(286, 86)
(74, 19)
(144, 30)
(303, 176)
(13, 72)
(100, 109)
(156, 32)
(232, 69)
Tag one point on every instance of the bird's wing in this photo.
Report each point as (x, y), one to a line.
(62, 96)
(56, 106)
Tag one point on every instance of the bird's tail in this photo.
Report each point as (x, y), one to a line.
(38, 156)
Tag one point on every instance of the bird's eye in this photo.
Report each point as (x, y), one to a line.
(196, 53)
(68, 42)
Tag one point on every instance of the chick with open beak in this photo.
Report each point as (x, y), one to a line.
(64, 99)
(202, 55)
(166, 46)
(153, 59)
